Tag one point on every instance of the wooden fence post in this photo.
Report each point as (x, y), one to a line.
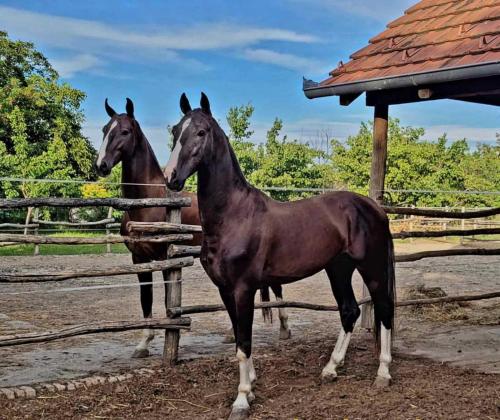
(35, 232)
(28, 220)
(377, 178)
(173, 298)
(108, 232)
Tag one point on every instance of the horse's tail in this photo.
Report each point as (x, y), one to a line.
(267, 313)
(391, 288)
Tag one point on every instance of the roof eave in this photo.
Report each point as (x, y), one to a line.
(315, 90)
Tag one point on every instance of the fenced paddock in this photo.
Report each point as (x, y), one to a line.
(198, 300)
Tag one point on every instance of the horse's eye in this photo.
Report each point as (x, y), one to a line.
(125, 132)
(201, 133)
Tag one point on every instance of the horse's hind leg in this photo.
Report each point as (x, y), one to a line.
(376, 276)
(340, 274)
(285, 332)
(146, 288)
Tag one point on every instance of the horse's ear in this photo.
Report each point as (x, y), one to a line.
(130, 108)
(111, 112)
(185, 105)
(205, 104)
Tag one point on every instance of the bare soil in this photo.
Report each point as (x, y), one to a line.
(288, 386)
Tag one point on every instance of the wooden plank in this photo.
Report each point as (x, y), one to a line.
(377, 181)
(182, 250)
(75, 224)
(40, 276)
(201, 309)
(102, 327)
(18, 226)
(173, 298)
(442, 213)
(108, 239)
(161, 227)
(117, 203)
(443, 233)
(446, 253)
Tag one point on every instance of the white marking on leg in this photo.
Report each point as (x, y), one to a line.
(385, 352)
(283, 315)
(338, 355)
(104, 145)
(147, 336)
(245, 387)
(251, 371)
(174, 156)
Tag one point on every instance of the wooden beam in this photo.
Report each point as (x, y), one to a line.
(58, 275)
(117, 203)
(377, 180)
(441, 213)
(346, 100)
(379, 154)
(103, 327)
(484, 90)
(173, 298)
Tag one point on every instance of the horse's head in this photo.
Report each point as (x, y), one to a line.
(120, 137)
(192, 135)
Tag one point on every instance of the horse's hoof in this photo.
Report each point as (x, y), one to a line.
(239, 414)
(228, 339)
(381, 382)
(285, 334)
(328, 378)
(140, 354)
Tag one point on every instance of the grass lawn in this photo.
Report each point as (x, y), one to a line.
(49, 249)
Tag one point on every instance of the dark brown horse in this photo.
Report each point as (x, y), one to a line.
(251, 241)
(125, 142)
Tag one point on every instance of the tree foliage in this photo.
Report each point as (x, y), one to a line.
(40, 124)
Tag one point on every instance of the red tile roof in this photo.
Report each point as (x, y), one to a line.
(432, 35)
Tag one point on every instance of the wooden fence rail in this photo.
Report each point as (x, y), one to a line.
(446, 232)
(108, 239)
(40, 276)
(117, 203)
(102, 222)
(442, 213)
(77, 330)
(200, 309)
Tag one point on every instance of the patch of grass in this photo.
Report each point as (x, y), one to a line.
(50, 249)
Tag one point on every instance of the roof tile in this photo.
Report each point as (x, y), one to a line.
(432, 35)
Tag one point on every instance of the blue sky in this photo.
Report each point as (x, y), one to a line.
(237, 52)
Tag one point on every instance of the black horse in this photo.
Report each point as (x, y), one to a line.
(251, 241)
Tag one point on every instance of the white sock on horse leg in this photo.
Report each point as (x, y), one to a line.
(147, 336)
(245, 387)
(338, 354)
(385, 352)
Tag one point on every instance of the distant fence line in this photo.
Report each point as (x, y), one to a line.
(284, 189)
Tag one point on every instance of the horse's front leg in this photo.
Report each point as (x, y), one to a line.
(146, 288)
(244, 309)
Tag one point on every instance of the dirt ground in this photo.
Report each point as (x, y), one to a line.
(465, 336)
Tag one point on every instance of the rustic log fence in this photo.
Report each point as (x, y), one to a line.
(180, 256)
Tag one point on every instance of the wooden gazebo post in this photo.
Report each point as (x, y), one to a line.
(377, 178)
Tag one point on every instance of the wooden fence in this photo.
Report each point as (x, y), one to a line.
(180, 256)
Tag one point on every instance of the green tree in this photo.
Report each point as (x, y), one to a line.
(40, 124)
(288, 164)
(416, 164)
(238, 119)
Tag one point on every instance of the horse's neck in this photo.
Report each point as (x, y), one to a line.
(142, 168)
(221, 184)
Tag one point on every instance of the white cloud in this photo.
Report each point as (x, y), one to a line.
(68, 33)
(457, 132)
(68, 67)
(289, 61)
(381, 10)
